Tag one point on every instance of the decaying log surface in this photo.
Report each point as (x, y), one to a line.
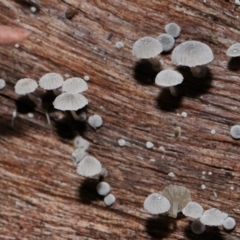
(41, 195)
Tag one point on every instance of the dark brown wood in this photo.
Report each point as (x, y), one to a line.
(41, 195)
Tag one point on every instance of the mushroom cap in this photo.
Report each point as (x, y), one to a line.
(156, 203)
(103, 188)
(229, 223)
(80, 142)
(110, 199)
(2, 84)
(192, 54)
(167, 41)
(234, 50)
(177, 195)
(235, 131)
(89, 167)
(213, 217)
(193, 210)
(68, 101)
(51, 81)
(168, 78)
(173, 29)
(25, 86)
(78, 154)
(74, 85)
(197, 227)
(95, 121)
(146, 47)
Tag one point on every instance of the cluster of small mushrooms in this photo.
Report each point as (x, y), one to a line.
(175, 199)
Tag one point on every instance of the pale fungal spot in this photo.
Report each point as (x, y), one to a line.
(95, 121)
(237, 2)
(80, 142)
(193, 210)
(2, 84)
(234, 50)
(104, 172)
(232, 188)
(149, 145)
(119, 45)
(171, 174)
(16, 45)
(209, 173)
(109, 200)
(184, 114)
(103, 188)
(197, 227)
(229, 223)
(203, 172)
(177, 132)
(30, 115)
(152, 160)
(33, 9)
(203, 186)
(66, 75)
(121, 142)
(213, 131)
(86, 78)
(215, 194)
(235, 131)
(162, 149)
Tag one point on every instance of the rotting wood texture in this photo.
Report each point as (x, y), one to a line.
(41, 195)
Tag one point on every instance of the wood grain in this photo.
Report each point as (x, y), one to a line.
(41, 195)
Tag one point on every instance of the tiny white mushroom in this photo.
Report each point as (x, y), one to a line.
(121, 142)
(89, 167)
(26, 86)
(213, 217)
(71, 102)
(173, 29)
(2, 84)
(197, 227)
(149, 145)
(95, 121)
(148, 48)
(80, 142)
(171, 174)
(156, 204)
(103, 188)
(195, 55)
(169, 78)
(74, 85)
(234, 50)
(184, 114)
(78, 154)
(86, 78)
(119, 45)
(167, 41)
(235, 131)
(193, 210)
(109, 200)
(229, 223)
(177, 131)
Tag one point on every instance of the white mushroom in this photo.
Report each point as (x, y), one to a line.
(193, 54)
(229, 223)
(71, 102)
(103, 188)
(178, 197)
(109, 200)
(167, 41)
(78, 154)
(74, 85)
(80, 142)
(148, 48)
(156, 204)
(89, 167)
(26, 86)
(173, 29)
(235, 132)
(193, 210)
(95, 121)
(197, 227)
(234, 50)
(169, 78)
(51, 81)
(213, 217)
(2, 84)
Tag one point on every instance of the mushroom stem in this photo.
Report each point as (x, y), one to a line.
(173, 91)
(57, 92)
(14, 114)
(48, 119)
(174, 209)
(199, 71)
(156, 64)
(75, 116)
(36, 100)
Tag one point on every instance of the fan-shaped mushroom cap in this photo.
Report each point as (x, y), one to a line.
(168, 78)
(235, 132)
(25, 86)
(193, 210)
(89, 167)
(178, 197)
(167, 41)
(229, 223)
(103, 188)
(213, 217)
(68, 101)
(146, 47)
(192, 54)
(234, 50)
(80, 142)
(156, 204)
(197, 227)
(173, 29)
(74, 85)
(51, 81)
